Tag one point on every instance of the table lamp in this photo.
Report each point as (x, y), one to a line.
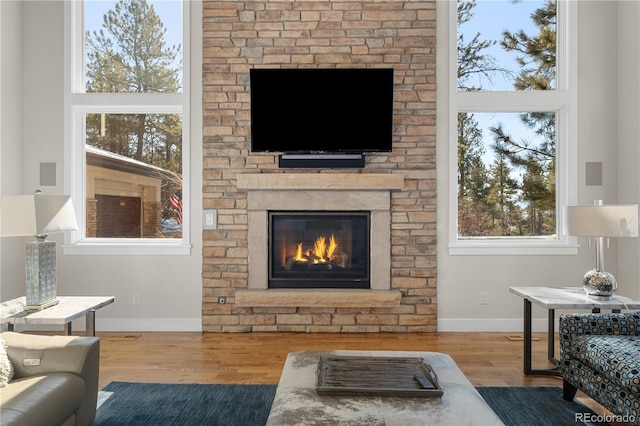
(38, 215)
(600, 221)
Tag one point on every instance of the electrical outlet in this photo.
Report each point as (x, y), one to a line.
(136, 299)
(484, 298)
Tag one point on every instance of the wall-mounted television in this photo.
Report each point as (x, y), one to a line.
(333, 110)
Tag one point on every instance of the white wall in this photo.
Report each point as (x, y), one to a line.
(462, 278)
(170, 287)
(12, 251)
(629, 137)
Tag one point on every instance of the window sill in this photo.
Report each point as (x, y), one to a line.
(142, 248)
(512, 248)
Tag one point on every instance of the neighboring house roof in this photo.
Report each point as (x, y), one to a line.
(106, 159)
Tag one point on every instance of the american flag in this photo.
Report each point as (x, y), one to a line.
(176, 203)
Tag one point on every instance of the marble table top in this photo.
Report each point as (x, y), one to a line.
(297, 403)
(70, 307)
(571, 298)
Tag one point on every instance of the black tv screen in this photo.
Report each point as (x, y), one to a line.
(321, 110)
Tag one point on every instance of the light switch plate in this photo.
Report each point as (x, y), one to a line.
(209, 219)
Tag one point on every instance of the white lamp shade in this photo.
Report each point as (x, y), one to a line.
(37, 215)
(601, 221)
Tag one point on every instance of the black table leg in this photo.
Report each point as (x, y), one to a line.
(528, 335)
(551, 338)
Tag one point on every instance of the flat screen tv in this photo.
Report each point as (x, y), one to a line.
(321, 110)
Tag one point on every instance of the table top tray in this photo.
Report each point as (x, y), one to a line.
(376, 376)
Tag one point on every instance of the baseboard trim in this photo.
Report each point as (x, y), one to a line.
(514, 325)
(122, 324)
(149, 324)
(490, 325)
(497, 325)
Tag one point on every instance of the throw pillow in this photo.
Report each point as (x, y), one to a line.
(6, 368)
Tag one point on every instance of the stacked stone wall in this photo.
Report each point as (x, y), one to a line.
(240, 35)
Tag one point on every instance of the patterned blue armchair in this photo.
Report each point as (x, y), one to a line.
(601, 357)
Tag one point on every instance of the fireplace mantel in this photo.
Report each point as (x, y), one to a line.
(320, 181)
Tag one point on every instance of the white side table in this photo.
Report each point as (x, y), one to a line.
(70, 307)
(553, 298)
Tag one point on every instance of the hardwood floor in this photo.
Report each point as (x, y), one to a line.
(487, 359)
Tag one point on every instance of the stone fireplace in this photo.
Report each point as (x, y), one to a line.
(397, 189)
(296, 193)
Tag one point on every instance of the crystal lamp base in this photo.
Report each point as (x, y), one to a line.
(600, 284)
(40, 273)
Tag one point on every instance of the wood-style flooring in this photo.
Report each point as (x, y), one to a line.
(487, 359)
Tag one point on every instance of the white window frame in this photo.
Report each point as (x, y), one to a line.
(78, 104)
(562, 101)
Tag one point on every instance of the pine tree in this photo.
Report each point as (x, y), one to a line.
(473, 210)
(537, 55)
(131, 56)
(503, 197)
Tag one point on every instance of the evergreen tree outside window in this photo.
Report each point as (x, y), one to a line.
(128, 120)
(515, 112)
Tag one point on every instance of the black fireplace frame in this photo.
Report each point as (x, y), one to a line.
(360, 282)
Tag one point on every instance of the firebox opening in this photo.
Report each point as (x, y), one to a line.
(319, 249)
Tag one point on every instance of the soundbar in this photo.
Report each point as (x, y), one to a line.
(326, 161)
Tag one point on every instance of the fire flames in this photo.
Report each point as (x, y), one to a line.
(321, 252)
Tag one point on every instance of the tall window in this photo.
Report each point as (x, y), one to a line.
(127, 110)
(514, 100)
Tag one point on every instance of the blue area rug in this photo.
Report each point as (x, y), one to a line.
(539, 406)
(128, 404)
(159, 404)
